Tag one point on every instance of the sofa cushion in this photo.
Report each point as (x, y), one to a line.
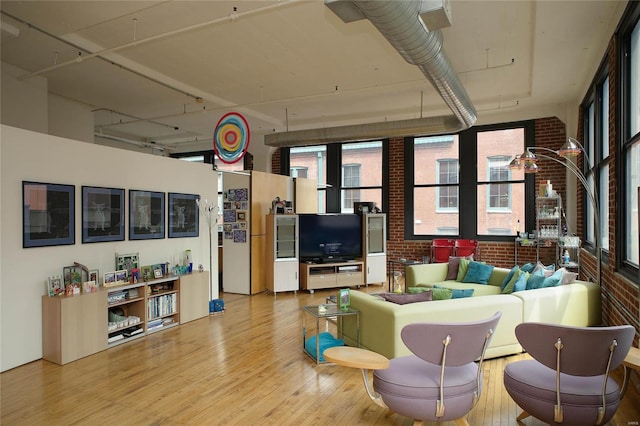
(521, 282)
(536, 279)
(527, 267)
(509, 277)
(553, 280)
(442, 293)
(454, 265)
(548, 270)
(567, 276)
(462, 269)
(520, 279)
(458, 293)
(478, 273)
(403, 299)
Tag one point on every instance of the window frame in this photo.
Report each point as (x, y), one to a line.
(625, 140)
(468, 184)
(448, 185)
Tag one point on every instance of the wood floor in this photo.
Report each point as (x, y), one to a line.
(244, 367)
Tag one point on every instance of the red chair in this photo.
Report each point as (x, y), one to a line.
(441, 249)
(467, 247)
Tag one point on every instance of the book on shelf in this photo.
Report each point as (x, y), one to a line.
(132, 331)
(115, 338)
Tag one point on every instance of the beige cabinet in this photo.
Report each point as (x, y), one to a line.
(194, 296)
(73, 326)
(81, 325)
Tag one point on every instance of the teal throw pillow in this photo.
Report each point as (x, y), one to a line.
(509, 277)
(553, 280)
(527, 267)
(458, 293)
(536, 279)
(462, 269)
(441, 293)
(521, 282)
(478, 273)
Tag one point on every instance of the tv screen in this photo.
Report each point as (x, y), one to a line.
(330, 237)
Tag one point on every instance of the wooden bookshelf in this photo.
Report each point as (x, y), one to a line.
(81, 325)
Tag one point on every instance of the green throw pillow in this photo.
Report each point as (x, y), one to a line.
(509, 276)
(458, 293)
(414, 290)
(509, 288)
(462, 269)
(442, 293)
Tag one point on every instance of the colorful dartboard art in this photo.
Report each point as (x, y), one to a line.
(231, 138)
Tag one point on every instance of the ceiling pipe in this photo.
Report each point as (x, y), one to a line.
(400, 22)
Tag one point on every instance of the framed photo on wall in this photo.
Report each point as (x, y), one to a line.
(48, 214)
(146, 215)
(102, 214)
(183, 215)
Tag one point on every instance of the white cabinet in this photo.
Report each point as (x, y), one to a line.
(282, 261)
(374, 243)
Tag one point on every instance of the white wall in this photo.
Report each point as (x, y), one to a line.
(69, 119)
(23, 102)
(26, 155)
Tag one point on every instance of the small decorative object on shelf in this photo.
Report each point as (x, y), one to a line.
(344, 296)
(565, 257)
(55, 286)
(89, 286)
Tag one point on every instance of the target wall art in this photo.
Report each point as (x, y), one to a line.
(231, 138)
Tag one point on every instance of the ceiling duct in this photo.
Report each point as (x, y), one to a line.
(402, 24)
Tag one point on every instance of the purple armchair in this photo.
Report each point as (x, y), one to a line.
(567, 382)
(441, 381)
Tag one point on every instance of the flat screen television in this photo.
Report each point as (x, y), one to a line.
(330, 237)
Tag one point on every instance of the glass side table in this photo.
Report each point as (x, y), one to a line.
(329, 312)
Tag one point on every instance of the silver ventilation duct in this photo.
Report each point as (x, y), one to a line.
(400, 22)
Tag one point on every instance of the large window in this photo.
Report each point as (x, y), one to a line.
(361, 174)
(311, 161)
(346, 173)
(462, 185)
(629, 57)
(435, 185)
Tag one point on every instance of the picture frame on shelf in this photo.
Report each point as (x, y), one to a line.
(146, 215)
(127, 261)
(146, 273)
(94, 275)
(102, 214)
(109, 279)
(157, 273)
(55, 286)
(184, 219)
(48, 214)
(89, 286)
(121, 277)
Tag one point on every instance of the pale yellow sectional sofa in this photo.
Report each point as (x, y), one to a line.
(577, 304)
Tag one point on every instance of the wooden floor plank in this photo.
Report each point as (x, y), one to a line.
(243, 367)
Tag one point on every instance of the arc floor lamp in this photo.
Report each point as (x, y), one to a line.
(571, 149)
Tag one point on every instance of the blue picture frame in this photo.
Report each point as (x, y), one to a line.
(184, 215)
(48, 214)
(102, 214)
(146, 215)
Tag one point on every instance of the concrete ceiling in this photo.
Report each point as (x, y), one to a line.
(166, 71)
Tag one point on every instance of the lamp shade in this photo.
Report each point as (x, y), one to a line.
(571, 148)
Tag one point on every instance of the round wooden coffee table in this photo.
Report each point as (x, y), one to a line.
(363, 359)
(356, 358)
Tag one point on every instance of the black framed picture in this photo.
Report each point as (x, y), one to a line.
(48, 214)
(102, 214)
(183, 215)
(146, 215)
